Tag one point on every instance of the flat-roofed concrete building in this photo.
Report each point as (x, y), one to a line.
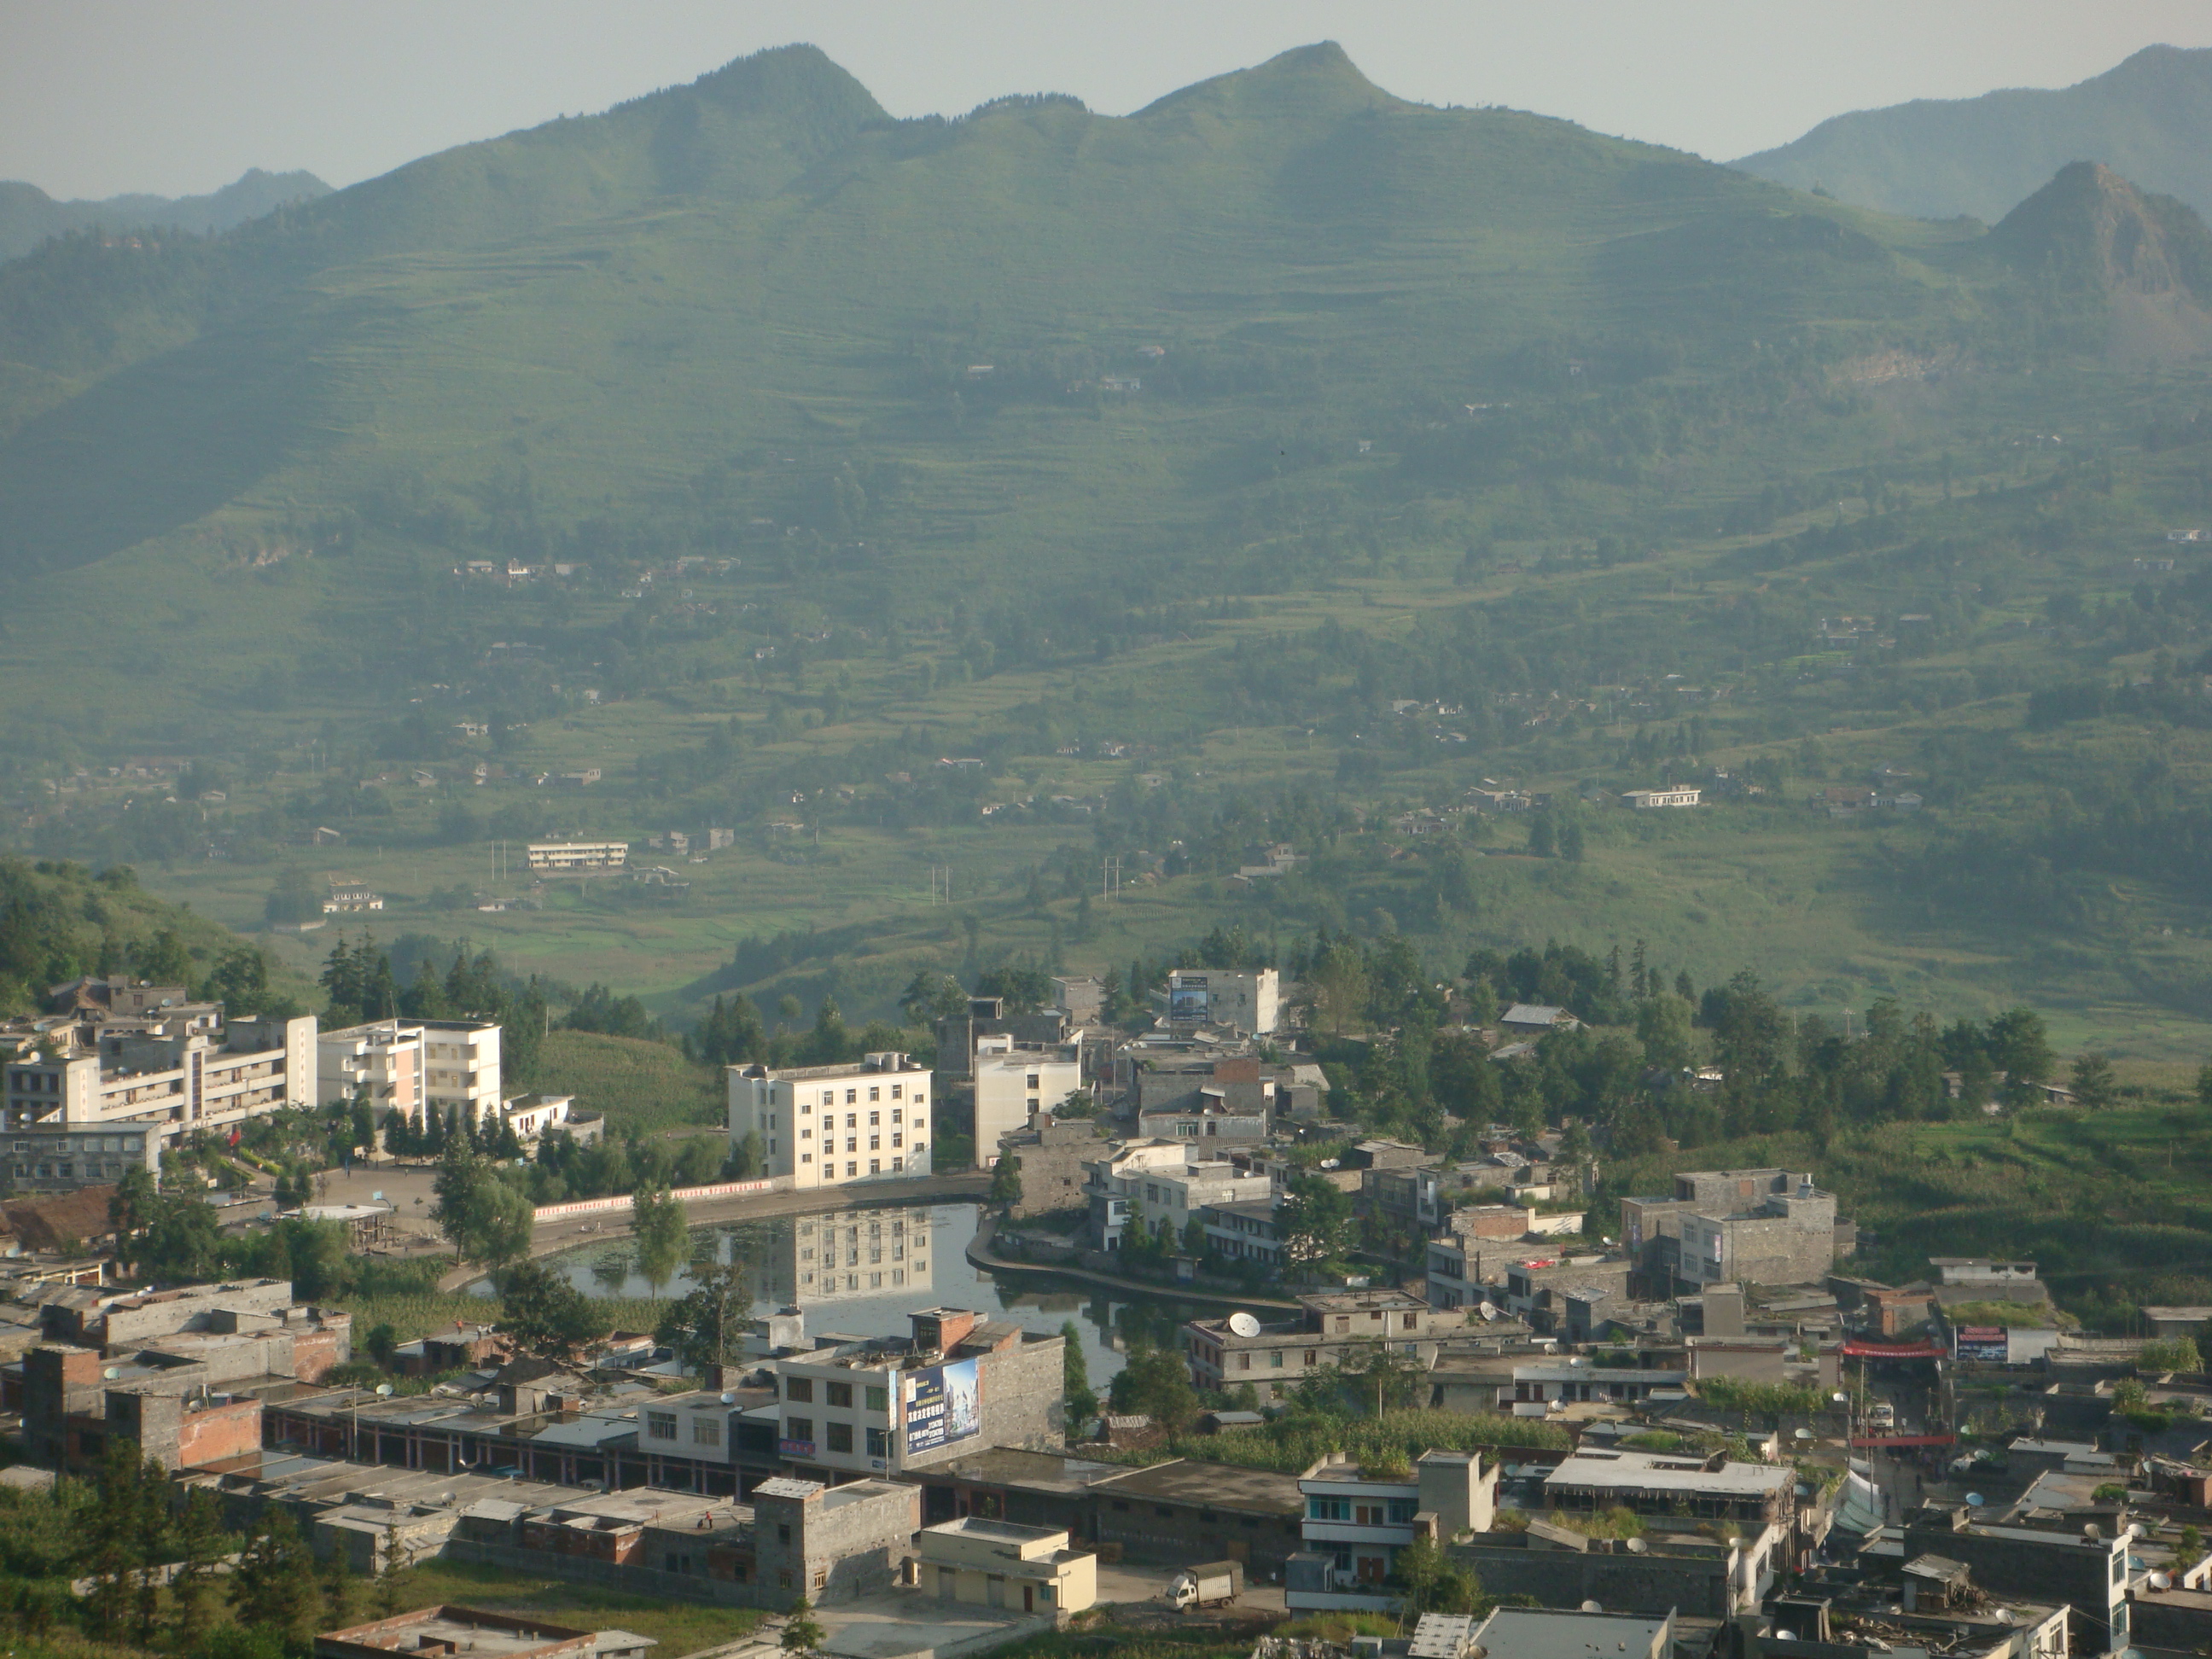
(999, 1564)
(826, 1125)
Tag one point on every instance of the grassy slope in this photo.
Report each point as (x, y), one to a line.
(641, 1087)
(613, 356)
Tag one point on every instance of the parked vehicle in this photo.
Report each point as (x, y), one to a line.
(1883, 1416)
(1208, 1586)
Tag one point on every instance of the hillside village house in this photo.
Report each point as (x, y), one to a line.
(822, 1125)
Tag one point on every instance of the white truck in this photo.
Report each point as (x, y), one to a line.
(1207, 1586)
(1881, 1415)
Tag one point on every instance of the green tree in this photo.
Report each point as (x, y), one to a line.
(509, 1221)
(163, 959)
(463, 1194)
(1434, 1581)
(1075, 1376)
(1315, 1220)
(293, 898)
(1156, 1383)
(1006, 1190)
(546, 1314)
(660, 1225)
(704, 1325)
(801, 1632)
(274, 1585)
(2093, 1081)
(337, 1587)
(2020, 1046)
(1663, 1027)
(194, 1593)
(1338, 985)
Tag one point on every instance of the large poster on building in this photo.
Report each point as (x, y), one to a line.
(944, 1403)
(1985, 1345)
(1187, 1001)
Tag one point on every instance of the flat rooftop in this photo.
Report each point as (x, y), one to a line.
(970, 1526)
(1641, 1472)
(1209, 1486)
(1052, 1472)
(1548, 1633)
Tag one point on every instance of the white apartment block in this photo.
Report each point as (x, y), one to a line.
(408, 1066)
(825, 1126)
(1153, 1182)
(1251, 1002)
(143, 1088)
(1013, 1083)
(567, 855)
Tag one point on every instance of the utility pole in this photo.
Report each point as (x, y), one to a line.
(1109, 876)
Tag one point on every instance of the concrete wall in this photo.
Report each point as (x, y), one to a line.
(1697, 1586)
(630, 1581)
(1170, 1530)
(1024, 1403)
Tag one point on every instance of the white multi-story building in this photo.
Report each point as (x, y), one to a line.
(566, 855)
(822, 1125)
(1250, 1002)
(1356, 1523)
(1013, 1083)
(81, 1118)
(408, 1066)
(1155, 1183)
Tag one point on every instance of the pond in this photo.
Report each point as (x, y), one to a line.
(862, 1272)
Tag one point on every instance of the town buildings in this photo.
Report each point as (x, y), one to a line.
(1358, 1520)
(1001, 1564)
(1333, 1328)
(85, 1114)
(570, 857)
(1163, 1185)
(1247, 1002)
(1012, 1084)
(823, 1126)
(1765, 1227)
(414, 1068)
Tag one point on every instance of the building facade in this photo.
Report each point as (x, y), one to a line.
(415, 1066)
(1013, 1083)
(825, 1126)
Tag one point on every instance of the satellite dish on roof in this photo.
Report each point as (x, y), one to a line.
(1488, 1310)
(729, 1399)
(2135, 1530)
(1638, 1547)
(2161, 1580)
(112, 1372)
(1801, 1434)
(1840, 1398)
(1243, 1324)
(1592, 1607)
(1975, 1500)
(383, 1390)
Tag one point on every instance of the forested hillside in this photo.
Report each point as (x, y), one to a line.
(1068, 508)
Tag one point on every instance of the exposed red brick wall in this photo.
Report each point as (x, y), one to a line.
(220, 1431)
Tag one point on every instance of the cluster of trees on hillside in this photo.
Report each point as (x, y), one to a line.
(1401, 1068)
(59, 921)
(359, 980)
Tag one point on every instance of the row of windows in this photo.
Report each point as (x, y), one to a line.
(705, 1430)
(801, 1388)
(851, 1142)
(852, 1095)
(875, 1281)
(837, 1436)
(1372, 1512)
(875, 1165)
(65, 1171)
(84, 1144)
(875, 1226)
(853, 1255)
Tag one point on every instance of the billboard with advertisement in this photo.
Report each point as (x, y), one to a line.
(942, 1404)
(1187, 1001)
(1984, 1345)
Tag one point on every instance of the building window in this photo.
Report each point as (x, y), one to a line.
(1275, 1360)
(705, 1432)
(852, 1169)
(807, 1157)
(879, 1443)
(799, 1428)
(894, 1091)
(841, 1437)
(894, 1117)
(837, 1394)
(660, 1425)
(898, 1140)
(798, 1388)
(879, 1400)
(852, 1095)
(875, 1166)
(820, 1577)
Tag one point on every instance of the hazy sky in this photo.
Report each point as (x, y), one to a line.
(178, 96)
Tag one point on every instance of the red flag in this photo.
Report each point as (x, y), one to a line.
(234, 1135)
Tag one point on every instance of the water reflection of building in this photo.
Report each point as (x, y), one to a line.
(848, 1254)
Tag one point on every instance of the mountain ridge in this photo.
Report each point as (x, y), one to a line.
(29, 217)
(2149, 117)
